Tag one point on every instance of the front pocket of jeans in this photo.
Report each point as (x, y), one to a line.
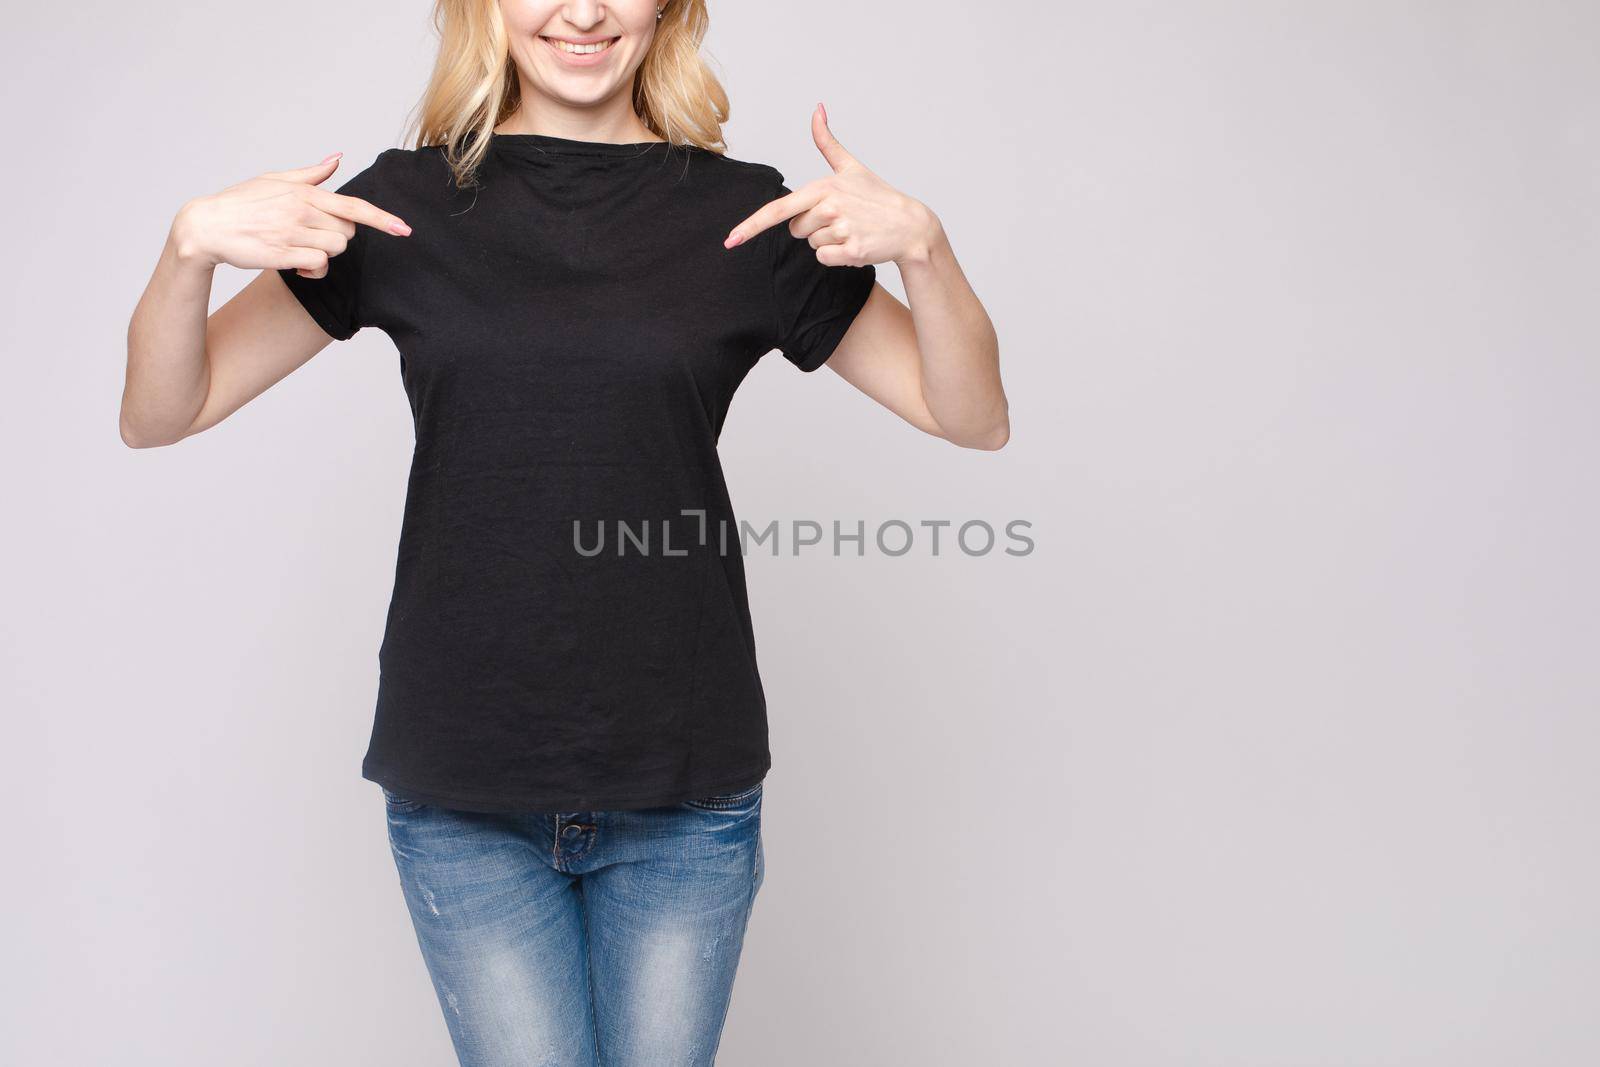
(726, 801)
(397, 803)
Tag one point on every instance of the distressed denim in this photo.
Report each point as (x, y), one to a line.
(582, 939)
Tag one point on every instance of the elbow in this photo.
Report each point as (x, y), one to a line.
(992, 439)
(997, 438)
(134, 438)
(130, 436)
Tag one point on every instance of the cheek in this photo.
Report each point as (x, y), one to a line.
(638, 20)
(524, 18)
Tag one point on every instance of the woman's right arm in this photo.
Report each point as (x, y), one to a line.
(188, 371)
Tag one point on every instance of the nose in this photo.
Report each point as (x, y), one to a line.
(584, 14)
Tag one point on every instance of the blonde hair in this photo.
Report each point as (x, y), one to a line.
(474, 85)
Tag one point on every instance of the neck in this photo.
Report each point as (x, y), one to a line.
(614, 120)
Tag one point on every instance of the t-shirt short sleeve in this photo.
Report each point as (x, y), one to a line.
(816, 303)
(335, 299)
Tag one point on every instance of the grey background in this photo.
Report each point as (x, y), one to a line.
(1280, 748)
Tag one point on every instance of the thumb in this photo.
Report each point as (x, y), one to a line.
(827, 143)
(315, 174)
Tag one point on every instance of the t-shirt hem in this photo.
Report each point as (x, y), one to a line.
(507, 802)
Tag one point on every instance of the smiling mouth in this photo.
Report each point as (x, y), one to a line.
(571, 49)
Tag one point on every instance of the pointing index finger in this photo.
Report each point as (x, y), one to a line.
(773, 212)
(358, 210)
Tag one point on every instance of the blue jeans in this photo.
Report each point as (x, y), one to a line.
(585, 938)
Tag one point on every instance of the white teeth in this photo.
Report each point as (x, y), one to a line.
(581, 49)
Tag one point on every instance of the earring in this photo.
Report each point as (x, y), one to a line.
(658, 14)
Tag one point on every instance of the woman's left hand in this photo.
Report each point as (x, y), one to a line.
(852, 217)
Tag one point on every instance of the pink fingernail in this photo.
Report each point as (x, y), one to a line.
(733, 239)
(400, 229)
(336, 155)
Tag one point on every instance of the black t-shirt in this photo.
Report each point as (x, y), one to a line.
(571, 332)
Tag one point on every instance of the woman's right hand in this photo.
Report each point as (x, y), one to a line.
(276, 220)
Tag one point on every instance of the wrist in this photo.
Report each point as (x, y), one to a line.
(928, 238)
(185, 249)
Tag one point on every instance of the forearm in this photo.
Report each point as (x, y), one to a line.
(959, 350)
(167, 375)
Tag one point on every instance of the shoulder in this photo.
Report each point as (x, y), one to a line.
(388, 167)
(411, 176)
(737, 186)
(398, 164)
(743, 171)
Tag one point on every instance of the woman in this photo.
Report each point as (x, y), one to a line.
(570, 729)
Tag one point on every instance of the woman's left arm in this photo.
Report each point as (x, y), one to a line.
(935, 364)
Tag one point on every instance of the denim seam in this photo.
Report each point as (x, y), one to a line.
(588, 975)
(750, 905)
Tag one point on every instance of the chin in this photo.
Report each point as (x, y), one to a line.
(563, 91)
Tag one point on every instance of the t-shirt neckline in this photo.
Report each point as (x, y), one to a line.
(544, 144)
